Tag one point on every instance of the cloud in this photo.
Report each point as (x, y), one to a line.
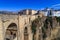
(56, 5)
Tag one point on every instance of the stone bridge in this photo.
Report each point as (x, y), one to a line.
(16, 25)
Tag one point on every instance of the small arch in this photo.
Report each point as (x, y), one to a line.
(11, 32)
(25, 33)
(25, 30)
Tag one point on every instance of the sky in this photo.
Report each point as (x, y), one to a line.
(15, 5)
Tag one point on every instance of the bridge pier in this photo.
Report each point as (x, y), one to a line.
(1, 31)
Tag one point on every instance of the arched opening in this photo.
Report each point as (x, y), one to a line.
(11, 32)
(25, 33)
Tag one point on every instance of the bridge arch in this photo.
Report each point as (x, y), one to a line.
(11, 32)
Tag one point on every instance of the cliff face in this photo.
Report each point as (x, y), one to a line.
(49, 26)
(55, 33)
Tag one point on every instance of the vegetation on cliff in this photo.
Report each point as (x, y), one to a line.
(47, 24)
(37, 23)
